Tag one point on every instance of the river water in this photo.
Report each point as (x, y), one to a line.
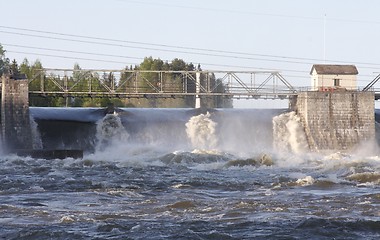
(182, 174)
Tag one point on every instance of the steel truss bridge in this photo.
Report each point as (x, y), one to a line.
(166, 84)
(160, 84)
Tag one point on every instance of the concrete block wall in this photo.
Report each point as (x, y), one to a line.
(337, 120)
(15, 121)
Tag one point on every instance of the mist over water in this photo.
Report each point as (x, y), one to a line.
(184, 174)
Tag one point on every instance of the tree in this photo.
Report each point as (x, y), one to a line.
(150, 80)
(25, 68)
(178, 65)
(4, 61)
(34, 73)
(126, 82)
(14, 68)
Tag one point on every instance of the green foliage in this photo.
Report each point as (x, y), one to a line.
(178, 65)
(126, 82)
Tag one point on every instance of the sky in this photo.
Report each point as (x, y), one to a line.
(288, 36)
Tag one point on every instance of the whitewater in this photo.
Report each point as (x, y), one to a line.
(187, 174)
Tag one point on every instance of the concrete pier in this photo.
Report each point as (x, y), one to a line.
(336, 120)
(15, 121)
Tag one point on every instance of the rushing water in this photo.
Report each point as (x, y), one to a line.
(181, 174)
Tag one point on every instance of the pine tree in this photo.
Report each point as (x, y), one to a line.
(14, 68)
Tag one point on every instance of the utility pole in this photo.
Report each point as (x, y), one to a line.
(324, 39)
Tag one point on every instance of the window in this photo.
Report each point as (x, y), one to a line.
(336, 82)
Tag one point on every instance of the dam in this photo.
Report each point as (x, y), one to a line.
(333, 115)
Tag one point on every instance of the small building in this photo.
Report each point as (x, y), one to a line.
(326, 77)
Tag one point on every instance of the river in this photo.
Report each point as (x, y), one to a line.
(183, 174)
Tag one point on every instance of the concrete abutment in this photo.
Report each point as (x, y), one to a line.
(339, 120)
(16, 132)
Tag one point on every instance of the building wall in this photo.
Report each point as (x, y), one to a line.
(15, 121)
(337, 120)
(348, 82)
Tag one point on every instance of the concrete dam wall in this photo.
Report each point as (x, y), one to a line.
(337, 120)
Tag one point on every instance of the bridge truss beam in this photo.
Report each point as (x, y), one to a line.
(160, 84)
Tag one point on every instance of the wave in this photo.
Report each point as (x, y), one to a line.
(263, 160)
(365, 177)
(195, 157)
(326, 227)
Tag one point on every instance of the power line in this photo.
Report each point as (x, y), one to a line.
(142, 43)
(70, 51)
(137, 58)
(224, 10)
(251, 13)
(156, 49)
(120, 56)
(165, 50)
(118, 62)
(220, 52)
(76, 58)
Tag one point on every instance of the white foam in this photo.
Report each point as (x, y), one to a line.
(289, 134)
(110, 130)
(67, 219)
(201, 132)
(306, 181)
(36, 136)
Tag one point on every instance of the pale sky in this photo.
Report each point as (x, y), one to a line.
(284, 35)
